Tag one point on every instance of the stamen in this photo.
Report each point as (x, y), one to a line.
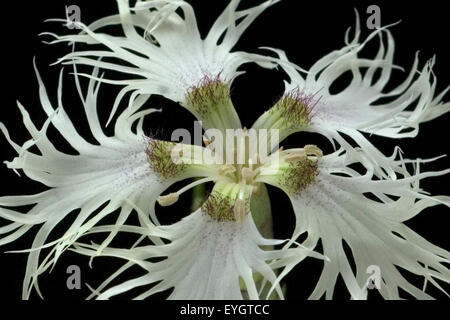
(194, 184)
(227, 169)
(247, 173)
(206, 141)
(311, 149)
(299, 155)
(168, 200)
(171, 198)
(239, 210)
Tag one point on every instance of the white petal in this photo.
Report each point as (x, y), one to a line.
(113, 174)
(335, 209)
(358, 106)
(175, 58)
(205, 259)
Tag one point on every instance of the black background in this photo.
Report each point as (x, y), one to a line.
(306, 30)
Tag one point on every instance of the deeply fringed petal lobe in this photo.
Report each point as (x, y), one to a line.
(364, 105)
(113, 176)
(341, 206)
(164, 51)
(204, 259)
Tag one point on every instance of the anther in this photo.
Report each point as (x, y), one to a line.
(299, 155)
(226, 169)
(247, 173)
(168, 200)
(206, 141)
(313, 150)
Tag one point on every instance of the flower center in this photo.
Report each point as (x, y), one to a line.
(244, 156)
(239, 174)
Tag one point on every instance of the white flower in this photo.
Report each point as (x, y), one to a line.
(206, 254)
(364, 105)
(168, 54)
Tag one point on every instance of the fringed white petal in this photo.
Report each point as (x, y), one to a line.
(165, 49)
(368, 214)
(204, 259)
(365, 104)
(112, 176)
(357, 106)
